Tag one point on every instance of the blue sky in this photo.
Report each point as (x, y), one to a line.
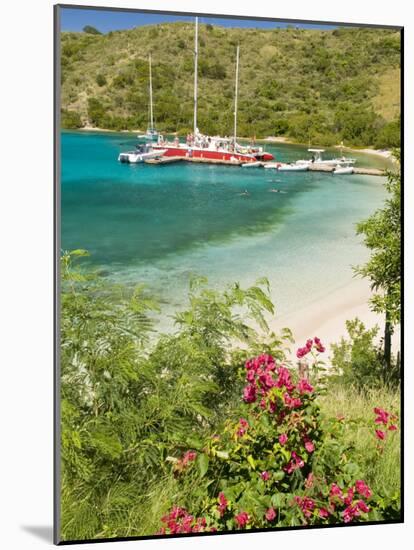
(73, 19)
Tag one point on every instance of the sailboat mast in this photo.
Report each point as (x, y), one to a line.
(236, 94)
(195, 74)
(150, 93)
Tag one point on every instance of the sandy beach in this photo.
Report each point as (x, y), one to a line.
(326, 319)
(385, 153)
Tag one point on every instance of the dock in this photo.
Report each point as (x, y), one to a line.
(315, 167)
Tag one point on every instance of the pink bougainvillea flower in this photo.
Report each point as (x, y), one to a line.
(270, 514)
(283, 439)
(292, 402)
(284, 379)
(349, 513)
(336, 491)
(294, 463)
(223, 502)
(249, 394)
(242, 427)
(304, 386)
(242, 519)
(382, 416)
(306, 504)
(362, 506)
(380, 434)
(189, 456)
(309, 446)
(363, 489)
(392, 427)
(323, 513)
(318, 345)
(265, 476)
(349, 496)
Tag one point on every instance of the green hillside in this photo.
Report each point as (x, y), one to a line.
(325, 86)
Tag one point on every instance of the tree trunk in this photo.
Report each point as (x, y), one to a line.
(387, 341)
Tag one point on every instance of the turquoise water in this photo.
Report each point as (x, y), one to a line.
(160, 224)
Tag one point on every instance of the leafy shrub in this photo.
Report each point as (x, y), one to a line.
(100, 79)
(126, 404)
(88, 29)
(70, 119)
(278, 464)
(357, 360)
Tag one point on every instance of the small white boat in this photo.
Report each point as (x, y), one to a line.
(141, 154)
(252, 164)
(273, 165)
(317, 159)
(293, 167)
(343, 169)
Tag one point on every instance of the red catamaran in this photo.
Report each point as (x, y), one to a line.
(213, 148)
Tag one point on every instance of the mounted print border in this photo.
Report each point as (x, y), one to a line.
(219, 178)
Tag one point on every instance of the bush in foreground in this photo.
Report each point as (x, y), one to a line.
(280, 464)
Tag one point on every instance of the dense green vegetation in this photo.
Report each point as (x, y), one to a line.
(382, 235)
(140, 414)
(322, 86)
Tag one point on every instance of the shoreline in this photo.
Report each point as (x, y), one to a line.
(326, 318)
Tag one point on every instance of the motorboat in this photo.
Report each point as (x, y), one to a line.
(317, 159)
(293, 167)
(141, 154)
(256, 164)
(343, 169)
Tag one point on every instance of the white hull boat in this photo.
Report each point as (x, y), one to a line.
(252, 164)
(343, 170)
(273, 165)
(141, 154)
(293, 167)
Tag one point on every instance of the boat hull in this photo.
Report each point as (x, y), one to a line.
(208, 154)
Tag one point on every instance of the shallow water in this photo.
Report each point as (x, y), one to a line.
(160, 224)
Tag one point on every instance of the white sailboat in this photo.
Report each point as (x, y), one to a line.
(213, 148)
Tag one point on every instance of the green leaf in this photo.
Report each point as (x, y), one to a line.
(202, 463)
(251, 461)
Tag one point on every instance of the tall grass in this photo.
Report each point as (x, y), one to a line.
(382, 468)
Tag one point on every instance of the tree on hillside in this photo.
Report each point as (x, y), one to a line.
(91, 30)
(382, 235)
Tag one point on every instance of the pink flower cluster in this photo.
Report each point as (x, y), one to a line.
(188, 456)
(387, 420)
(242, 427)
(242, 519)
(270, 514)
(310, 344)
(306, 504)
(222, 505)
(354, 505)
(294, 463)
(262, 375)
(180, 521)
